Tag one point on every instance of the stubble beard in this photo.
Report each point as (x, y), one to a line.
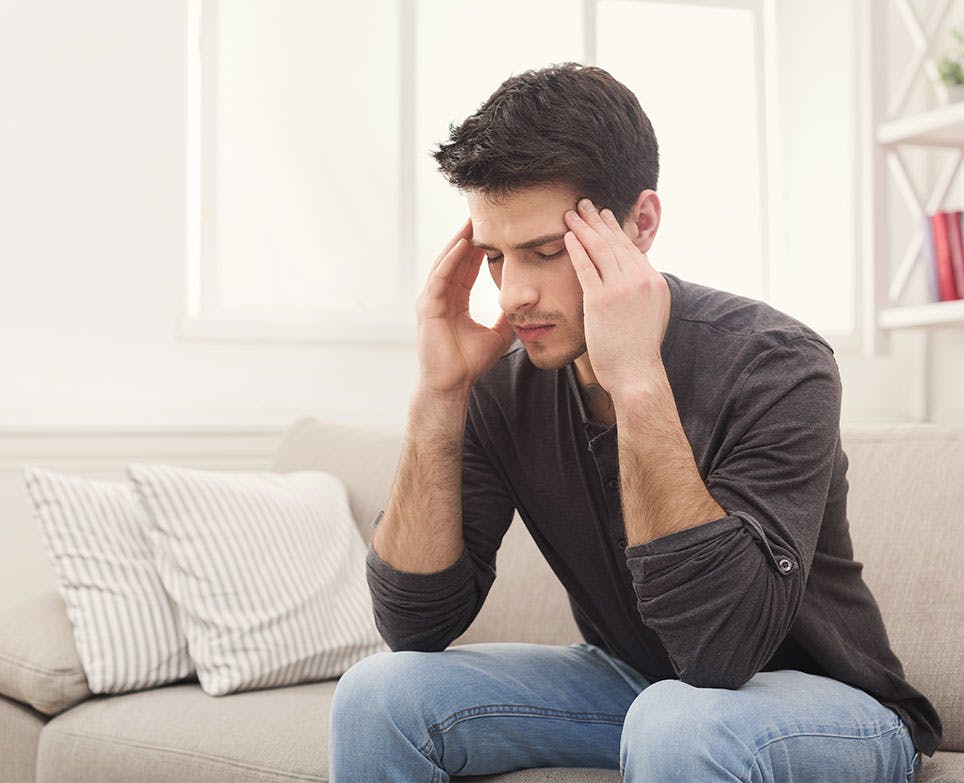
(578, 346)
(544, 362)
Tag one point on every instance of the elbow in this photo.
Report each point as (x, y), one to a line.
(404, 640)
(737, 659)
(731, 680)
(402, 636)
(413, 645)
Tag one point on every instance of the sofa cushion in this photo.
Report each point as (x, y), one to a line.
(905, 510)
(178, 732)
(20, 728)
(266, 571)
(95, 535)
(39, 663)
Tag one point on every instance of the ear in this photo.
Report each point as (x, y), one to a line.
(642, 220)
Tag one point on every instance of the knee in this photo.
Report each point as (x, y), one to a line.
(379, 685)
(668, 724)
(660, 712)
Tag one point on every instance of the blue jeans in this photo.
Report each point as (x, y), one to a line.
(408, 717)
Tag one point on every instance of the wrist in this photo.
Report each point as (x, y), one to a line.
(640, 391)
(439, 405)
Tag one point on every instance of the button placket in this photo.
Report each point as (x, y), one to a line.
(604, 456)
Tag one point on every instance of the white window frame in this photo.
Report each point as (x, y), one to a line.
(198, 315)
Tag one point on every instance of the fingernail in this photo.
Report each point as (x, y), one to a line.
(585, 205)
(572, 215)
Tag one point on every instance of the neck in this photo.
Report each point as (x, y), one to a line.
(598, 403)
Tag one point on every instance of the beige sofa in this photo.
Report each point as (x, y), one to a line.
(907, 518)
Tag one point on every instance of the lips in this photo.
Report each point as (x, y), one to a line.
(534, 332)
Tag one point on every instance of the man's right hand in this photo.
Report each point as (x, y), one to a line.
(453, 349)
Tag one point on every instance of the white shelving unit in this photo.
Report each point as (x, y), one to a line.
(931, 314)
(942, 127)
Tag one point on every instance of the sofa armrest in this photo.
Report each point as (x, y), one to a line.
(39, 664)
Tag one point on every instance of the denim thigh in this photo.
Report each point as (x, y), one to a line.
(480, 709)
(786, 726)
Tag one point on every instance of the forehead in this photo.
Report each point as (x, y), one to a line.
(520, 215)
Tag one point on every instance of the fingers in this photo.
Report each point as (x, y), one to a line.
(596, 236)
(447, 266)
(455, 271)
(619, 236)
(503, 328)
(586, 270)
(465, 232)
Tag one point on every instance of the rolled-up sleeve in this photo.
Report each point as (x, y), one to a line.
(722, 596)
(426, 612)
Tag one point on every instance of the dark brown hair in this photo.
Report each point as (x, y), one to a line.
(568, 124)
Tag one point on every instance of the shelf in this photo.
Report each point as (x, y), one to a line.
(932, 314)
(941, 127)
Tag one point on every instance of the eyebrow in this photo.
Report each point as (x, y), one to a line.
(545, 239)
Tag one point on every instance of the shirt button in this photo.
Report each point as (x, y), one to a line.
(613, 483)
(785, 565)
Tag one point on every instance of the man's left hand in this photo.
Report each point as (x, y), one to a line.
(624, 299)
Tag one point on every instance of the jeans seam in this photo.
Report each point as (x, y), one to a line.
(914, 767)
(514, 710)
(769, 742)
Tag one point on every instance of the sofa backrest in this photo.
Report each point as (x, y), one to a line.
(364, 457)
(906, 513)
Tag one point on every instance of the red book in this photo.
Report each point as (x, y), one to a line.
(956, 241)
(942, 258)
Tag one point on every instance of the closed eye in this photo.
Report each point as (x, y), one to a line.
(493, 259)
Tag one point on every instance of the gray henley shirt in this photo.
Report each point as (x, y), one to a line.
(771, 585)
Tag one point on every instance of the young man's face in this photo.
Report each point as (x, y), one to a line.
(527, 258)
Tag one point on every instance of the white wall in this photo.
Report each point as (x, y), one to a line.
(92, 151)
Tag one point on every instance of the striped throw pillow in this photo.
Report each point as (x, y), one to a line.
(95, 535)
(267, 571)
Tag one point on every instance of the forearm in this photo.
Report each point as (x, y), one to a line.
(723, 591)
(421, 529)
(660, 487)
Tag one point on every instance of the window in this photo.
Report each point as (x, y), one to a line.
(708, 114)
(317, 209)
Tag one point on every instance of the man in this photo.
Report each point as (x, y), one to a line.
(675, 453)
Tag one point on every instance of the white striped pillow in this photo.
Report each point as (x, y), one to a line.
(267, 571)
(95, 535)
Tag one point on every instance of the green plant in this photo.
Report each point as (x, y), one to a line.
(951, 68)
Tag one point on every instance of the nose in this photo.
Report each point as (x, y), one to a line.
(517, 286)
